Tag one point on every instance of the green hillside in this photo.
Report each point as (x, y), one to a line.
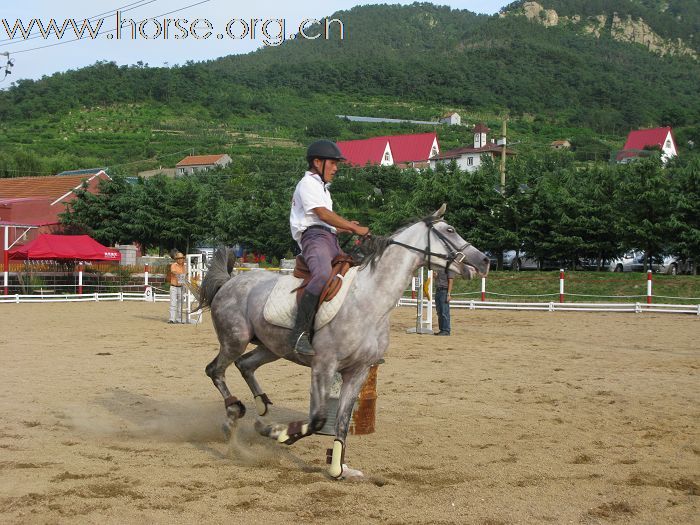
(414, 62)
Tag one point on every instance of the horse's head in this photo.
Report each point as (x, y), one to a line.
(451, 250)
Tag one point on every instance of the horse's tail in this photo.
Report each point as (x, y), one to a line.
(218, 273)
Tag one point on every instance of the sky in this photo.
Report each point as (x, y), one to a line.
(197, 30)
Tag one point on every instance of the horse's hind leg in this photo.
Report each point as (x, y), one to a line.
(247, 364)
(216, 370)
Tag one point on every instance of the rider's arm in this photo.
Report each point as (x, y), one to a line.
(335, 220)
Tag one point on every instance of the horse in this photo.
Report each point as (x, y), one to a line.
(353, 341)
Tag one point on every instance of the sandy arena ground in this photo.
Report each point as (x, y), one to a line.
(106, 416)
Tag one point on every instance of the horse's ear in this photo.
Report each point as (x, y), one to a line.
(438, 214)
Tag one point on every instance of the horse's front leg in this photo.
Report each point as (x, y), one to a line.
(353, 379)
(322, 369)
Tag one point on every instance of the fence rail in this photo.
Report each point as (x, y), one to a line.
(567, 307)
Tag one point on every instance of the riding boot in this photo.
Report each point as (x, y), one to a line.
(306, 312)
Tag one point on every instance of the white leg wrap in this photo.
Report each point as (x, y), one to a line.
(284, 435)
(260, 405)
(336, 468)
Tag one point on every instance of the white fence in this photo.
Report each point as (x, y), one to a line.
(81, 298)
(569, 307)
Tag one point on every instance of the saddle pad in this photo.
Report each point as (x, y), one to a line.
(281, 306)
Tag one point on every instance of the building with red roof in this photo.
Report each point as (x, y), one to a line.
(193, 163)
(641, 141)
(469, 158)
(413, 150)
(30, 206)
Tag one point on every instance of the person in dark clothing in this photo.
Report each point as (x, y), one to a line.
(314, 226)
(443, 284)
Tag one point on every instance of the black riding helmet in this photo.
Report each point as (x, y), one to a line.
(324, 150)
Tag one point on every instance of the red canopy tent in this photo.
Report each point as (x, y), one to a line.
(75, 247)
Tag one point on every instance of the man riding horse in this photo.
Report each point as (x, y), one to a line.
(314, 226)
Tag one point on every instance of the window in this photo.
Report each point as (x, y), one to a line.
(470, 161)
(386, 156)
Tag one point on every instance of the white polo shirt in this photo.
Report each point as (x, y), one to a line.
(310, 193)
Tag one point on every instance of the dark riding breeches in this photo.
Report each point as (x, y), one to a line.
(319, 247)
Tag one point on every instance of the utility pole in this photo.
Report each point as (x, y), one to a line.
(503, 157)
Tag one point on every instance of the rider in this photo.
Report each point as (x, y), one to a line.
(314, 226)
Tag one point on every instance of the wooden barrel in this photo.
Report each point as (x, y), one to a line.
(364, 411)
(366, 405)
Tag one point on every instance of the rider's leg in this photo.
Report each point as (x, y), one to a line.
(318, 248)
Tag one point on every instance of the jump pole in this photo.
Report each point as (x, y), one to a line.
(145, 275)
(648, 286)
(424, 312)
(561, 285)
(483, 289)
(80, 279)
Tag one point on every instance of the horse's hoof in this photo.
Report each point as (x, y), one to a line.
(272, 431)
(351, 474)
(227, 428)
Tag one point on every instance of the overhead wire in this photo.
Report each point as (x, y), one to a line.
(121, 9)
(109, 31)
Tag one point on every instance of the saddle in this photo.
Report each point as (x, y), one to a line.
(340, 266)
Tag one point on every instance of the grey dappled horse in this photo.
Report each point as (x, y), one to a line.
(354, 340)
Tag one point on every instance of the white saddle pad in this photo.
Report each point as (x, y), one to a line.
(281, 306)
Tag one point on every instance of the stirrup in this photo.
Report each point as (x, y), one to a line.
(305, 350)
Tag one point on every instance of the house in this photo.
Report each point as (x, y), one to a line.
(31, 205)
(640, 141)
(406, 151)
(193, 163)
(560, 144)
(451, 119)
(470, 158)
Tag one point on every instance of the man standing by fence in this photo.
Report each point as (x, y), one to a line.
(443, 293)
(176, 278)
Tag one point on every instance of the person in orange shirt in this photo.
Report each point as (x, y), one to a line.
(176, 279)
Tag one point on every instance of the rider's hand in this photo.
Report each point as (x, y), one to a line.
(361, 230)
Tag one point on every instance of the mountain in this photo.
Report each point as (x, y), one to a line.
(662, 27)
(414, 61)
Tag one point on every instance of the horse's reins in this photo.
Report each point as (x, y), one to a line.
(455, 253)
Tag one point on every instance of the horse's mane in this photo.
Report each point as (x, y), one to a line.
(372, 248)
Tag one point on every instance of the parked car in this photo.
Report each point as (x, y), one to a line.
(521, 261)
(673, 265)
(631, 261)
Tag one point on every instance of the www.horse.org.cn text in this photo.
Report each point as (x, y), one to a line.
(270, 31)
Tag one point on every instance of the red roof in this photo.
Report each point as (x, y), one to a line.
(640, 138)
(199, 160)
(480, 128)
(410, 148)
(360, 152)
(404, 148)
(77, 247)
(50, 187)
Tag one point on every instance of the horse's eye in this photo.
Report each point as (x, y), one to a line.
(450, 230)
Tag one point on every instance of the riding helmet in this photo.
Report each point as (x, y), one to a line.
(324, 149)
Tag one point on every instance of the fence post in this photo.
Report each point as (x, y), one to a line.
(648, 286)
(80, 279)
(6, 264)
(561, 285)
(483, 289)
(145, 275)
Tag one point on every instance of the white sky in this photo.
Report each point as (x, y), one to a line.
(159, 51)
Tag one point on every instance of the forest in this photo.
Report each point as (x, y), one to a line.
(551, 207)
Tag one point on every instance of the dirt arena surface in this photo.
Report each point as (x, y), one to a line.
(106, 416)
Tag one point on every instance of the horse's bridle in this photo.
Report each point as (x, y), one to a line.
(455, 253)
